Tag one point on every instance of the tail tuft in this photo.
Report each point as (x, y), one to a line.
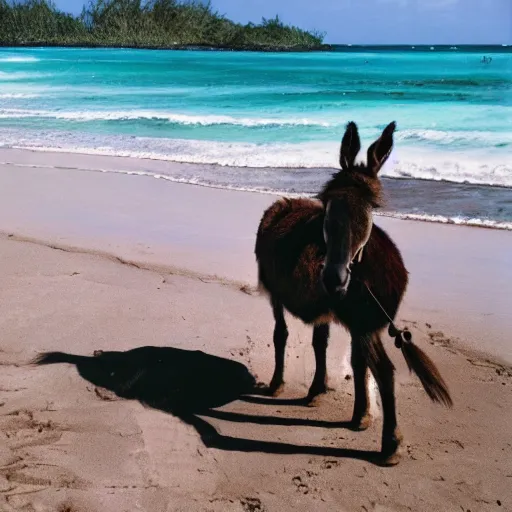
(419, 363)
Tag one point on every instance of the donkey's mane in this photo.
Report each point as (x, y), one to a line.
(367, 188)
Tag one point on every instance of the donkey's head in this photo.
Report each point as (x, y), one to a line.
(349, 199)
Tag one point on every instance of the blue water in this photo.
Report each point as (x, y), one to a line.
(279, 114)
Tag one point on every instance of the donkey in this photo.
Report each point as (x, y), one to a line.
(318, 258)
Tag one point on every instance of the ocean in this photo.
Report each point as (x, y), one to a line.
(272, 122)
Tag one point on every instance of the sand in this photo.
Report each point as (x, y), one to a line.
(108, 262)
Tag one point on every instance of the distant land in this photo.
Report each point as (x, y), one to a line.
(172, 24)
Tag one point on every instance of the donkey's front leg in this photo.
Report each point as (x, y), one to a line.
(361, 418)
(320, 341)
(280, 337)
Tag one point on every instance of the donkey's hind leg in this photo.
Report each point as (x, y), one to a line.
(361, 417)
(320, 341)
(280, 337)
(383, 371)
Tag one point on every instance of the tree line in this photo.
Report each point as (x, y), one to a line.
(138, 23)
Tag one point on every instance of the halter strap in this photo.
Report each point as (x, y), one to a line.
(358, 256)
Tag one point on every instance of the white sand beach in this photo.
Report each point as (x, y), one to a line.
(105, 261)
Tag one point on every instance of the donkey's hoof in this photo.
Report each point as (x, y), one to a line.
(391, 460)
(311, 400)
(391, 452)
(315, 391)
(275, 388)
(266, 390)
(360, 424)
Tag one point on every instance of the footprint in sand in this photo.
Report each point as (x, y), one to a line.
(252, 505)
(301, 486)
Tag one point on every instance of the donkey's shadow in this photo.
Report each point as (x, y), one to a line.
(191, 385)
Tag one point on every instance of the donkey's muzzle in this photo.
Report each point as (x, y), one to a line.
(335, 280)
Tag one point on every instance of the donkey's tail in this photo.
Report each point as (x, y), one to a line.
(57, 357)
(419, 363)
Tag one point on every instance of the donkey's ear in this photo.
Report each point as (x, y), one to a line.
(350, 146)
(379, 151)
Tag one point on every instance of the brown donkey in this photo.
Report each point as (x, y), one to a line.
(305, 249)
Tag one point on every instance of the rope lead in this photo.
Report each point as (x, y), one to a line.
(401, 336)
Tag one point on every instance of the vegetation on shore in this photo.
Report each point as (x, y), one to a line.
(138, 23)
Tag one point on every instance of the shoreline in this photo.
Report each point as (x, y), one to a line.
(455, 271)
(402, 193)
(324, 47)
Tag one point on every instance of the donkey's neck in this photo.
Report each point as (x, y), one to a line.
(354, 185)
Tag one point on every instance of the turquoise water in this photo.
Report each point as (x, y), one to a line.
(279, 114)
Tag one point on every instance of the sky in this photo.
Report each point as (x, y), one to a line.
(377, 21)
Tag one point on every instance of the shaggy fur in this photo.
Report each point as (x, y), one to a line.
(290, 250)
